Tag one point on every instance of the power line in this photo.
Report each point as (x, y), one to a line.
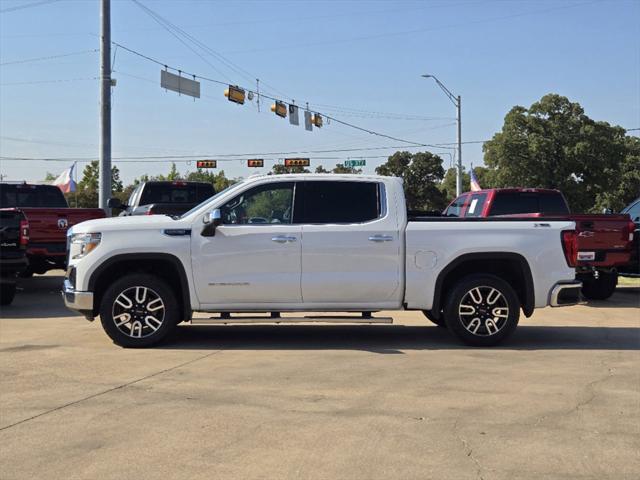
(28, 5)
(51, 57)
(270, 97)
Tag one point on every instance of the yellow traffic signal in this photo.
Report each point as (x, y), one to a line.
(296, 162)
(279, 108)
(255, 163)
(235, 94)
(317, 120)
(206, 164)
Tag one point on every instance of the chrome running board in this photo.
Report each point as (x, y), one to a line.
(224, 320)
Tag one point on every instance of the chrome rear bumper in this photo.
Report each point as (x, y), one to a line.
(564, 294)
(75, 300)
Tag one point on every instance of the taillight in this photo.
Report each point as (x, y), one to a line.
(631, 227)
(570, 247)
(24, 233)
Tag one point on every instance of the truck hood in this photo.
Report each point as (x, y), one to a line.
(142, 222)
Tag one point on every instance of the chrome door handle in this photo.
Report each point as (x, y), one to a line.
(380, 238)
(283, 239)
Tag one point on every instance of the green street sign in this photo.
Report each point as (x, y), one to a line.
(355, 163)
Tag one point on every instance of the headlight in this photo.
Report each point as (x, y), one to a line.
(83, 243)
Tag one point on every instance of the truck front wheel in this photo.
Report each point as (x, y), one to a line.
(599, 288)
(482, 310)
(138, 310)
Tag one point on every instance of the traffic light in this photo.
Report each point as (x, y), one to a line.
(235, 94)
(279, 108)
(296, 162)
(255, 163)
(317, 120)
(206, 164)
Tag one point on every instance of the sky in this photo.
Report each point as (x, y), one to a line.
(358, 61)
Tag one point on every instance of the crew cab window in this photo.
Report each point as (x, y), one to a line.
(476, 204)
(455, 208)
(12, 195)
(264, 204)
(341, 202)
(508, 203)
(551, 203)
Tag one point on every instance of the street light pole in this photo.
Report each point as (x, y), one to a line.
(457, 101)
(105, 106)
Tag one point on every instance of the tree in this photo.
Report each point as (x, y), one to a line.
(422, 173)
(173, 173)
(87, 189)
(340, 168)
(218, 180)
(448, 185)
(321, 169)
(279, 169)
(553, 144)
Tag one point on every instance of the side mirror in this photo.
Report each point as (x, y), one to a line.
(607, 211)
(116, 203)
(211, 221)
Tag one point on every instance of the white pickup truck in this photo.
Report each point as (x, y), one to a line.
(316, 243)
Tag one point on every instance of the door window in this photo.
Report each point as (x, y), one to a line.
(341, 202)
(455, 208)
(476, 204)
(261, 205)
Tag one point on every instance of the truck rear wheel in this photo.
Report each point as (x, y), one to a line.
(599, 288)
(139, 310)
(482, 310)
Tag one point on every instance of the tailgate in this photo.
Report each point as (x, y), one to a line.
(603, 240)
(50, 225)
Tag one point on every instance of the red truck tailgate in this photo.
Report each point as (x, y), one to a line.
(48, 226)
(606, 236)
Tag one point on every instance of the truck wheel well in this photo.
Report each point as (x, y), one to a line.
(510, 267)
(163, 266)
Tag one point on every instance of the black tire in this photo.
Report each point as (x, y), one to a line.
(600, 288)
(7, 293)
(437, 321)
(477, 330)
(149, 303)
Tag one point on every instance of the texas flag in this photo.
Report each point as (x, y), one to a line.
(65, 181)
(475, 185)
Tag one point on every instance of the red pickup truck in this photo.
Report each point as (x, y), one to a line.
(48, 217)
(604, 242)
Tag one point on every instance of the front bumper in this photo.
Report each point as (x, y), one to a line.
(566, 293)
(79, 301)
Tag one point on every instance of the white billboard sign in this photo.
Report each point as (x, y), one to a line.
(179, 84)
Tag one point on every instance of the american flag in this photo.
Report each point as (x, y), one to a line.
(475, 185)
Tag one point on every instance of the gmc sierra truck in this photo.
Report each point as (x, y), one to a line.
(316, 243)
(48, 216)
(604, 241)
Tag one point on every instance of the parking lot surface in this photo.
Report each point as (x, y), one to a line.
(560, 400)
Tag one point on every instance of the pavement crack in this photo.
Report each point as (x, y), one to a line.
(468, 450)
(109, 390)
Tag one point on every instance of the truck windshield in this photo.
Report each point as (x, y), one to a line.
(21, 195)
(186, 214)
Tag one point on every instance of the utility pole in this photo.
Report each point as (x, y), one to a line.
(105, 106)
(457, 101)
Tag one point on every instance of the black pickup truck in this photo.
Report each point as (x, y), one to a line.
(167, 198)
(14, 235)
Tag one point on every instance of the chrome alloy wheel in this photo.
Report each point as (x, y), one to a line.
(483, 311)
(138, 312)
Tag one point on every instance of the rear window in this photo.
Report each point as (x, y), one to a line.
(175, 193)
(509, 203)
(31, 196)
(341, 202)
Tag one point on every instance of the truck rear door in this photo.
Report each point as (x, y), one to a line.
(351, 246)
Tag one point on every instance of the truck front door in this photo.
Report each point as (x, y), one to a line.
(253, 259)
